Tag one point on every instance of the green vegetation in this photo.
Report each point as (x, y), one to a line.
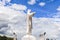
(5, 38)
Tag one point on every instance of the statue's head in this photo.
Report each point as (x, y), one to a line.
(30, 13)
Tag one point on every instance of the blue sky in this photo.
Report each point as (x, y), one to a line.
(48, 10)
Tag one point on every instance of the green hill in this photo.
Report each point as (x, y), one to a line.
(5, 38)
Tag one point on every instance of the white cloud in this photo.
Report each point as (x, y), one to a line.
(18, 7)
(57, 15)
(3, 2)
(46, 25)
(58, 9)
(42, 3)
(8, 1)
(7, 14)
(32, 2)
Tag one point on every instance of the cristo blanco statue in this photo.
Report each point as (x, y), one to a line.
(29, 21)
(29, 36)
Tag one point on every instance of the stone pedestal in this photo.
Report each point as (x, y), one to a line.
(28, 37)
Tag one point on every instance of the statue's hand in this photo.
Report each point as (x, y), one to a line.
(30, 13)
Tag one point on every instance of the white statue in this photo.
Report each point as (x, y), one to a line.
(28, 36)
(29, 21)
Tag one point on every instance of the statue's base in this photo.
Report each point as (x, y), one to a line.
(28, 37)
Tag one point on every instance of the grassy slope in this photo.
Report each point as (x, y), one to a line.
(5, 38)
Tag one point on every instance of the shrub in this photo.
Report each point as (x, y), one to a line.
(5, 38)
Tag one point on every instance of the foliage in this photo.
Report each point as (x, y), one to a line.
(5, 38)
